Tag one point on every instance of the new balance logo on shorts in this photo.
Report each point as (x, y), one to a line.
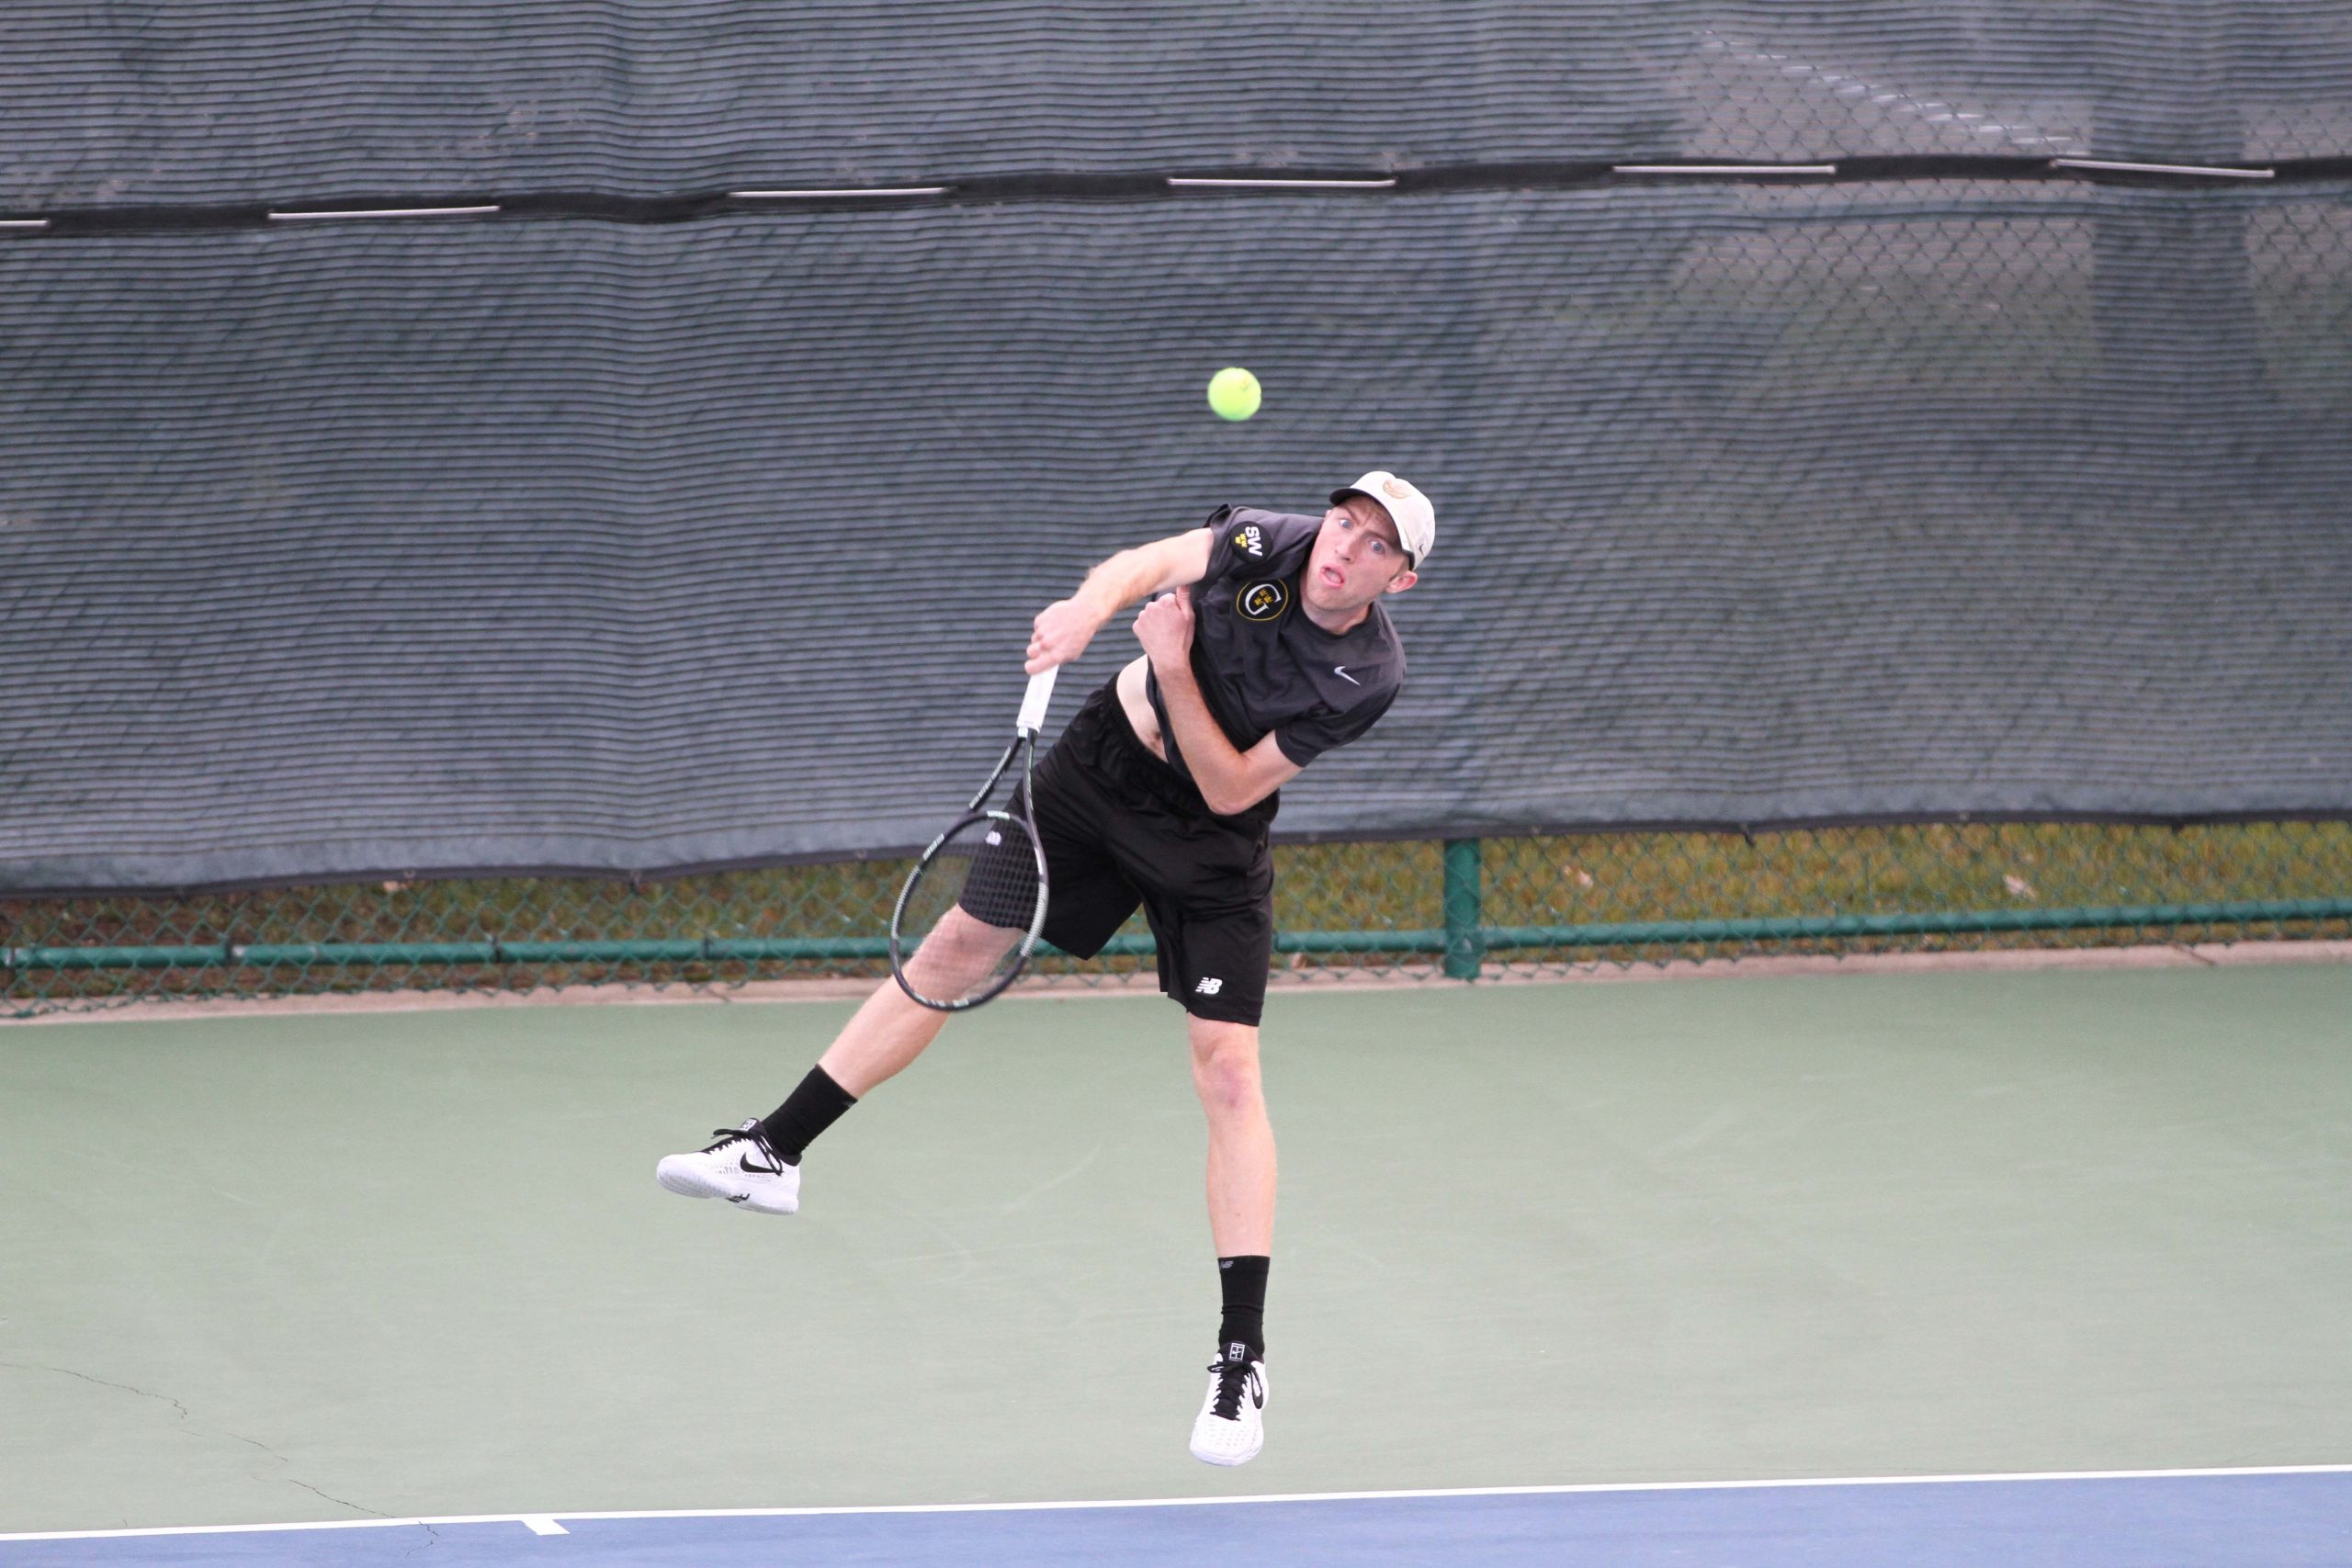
(1210, 987)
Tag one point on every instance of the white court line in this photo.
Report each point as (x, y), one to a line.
(534, 1521)
(542, 1524)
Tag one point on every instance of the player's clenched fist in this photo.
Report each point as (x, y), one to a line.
(1165, 629)
(1060, 634)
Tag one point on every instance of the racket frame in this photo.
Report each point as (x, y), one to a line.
(1024, 745)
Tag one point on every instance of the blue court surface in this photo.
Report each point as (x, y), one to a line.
(2297, 1518)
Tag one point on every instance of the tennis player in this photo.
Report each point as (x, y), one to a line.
(1265, 644)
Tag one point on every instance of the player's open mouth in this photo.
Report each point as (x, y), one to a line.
(1333, 577)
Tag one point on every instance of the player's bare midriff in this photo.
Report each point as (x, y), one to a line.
(1140, 718)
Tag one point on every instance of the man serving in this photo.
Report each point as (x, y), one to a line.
(1265, 643)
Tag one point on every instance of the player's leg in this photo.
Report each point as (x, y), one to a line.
(1215, 949)
(1210, 898)
(1241, 1175)
(756, 1166)
(1230, 1427)
(892, 1029)
(1241, 1138)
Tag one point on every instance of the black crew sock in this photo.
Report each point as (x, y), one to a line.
(1244, 1280)
(816, 1105)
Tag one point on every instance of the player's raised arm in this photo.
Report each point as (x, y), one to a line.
(1064, 628)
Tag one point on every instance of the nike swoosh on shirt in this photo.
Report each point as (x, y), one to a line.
(1341, 671)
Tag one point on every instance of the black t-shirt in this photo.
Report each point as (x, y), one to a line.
(1263, 666)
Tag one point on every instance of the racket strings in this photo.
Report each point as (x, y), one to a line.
(971, 911)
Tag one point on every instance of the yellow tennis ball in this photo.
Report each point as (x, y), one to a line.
(1233, 393)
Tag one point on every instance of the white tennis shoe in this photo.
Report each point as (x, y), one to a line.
(1231, 1426)
(739, 1167)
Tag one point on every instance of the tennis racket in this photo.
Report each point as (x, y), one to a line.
(968, 918)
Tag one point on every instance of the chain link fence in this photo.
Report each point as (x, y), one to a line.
(1462, 910)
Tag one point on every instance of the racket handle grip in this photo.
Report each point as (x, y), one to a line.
(1033, 706)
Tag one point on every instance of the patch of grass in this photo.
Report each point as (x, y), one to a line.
(1568, 880)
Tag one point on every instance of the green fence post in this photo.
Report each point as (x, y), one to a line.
(1465, 945)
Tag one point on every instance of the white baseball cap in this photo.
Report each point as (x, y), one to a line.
(1414, 518)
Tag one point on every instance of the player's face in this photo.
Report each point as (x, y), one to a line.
(1357, 557)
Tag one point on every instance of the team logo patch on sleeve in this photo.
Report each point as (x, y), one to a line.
(1262, 601)
(1250, 542)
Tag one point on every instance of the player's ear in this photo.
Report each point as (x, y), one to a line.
(1402, 580)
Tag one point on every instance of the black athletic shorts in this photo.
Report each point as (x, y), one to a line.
(1122, 827)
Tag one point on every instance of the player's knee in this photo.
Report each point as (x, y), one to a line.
(966, 929)
(1225, 1067)
(958, 945)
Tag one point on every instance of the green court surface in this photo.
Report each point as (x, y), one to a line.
(314, 1268)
